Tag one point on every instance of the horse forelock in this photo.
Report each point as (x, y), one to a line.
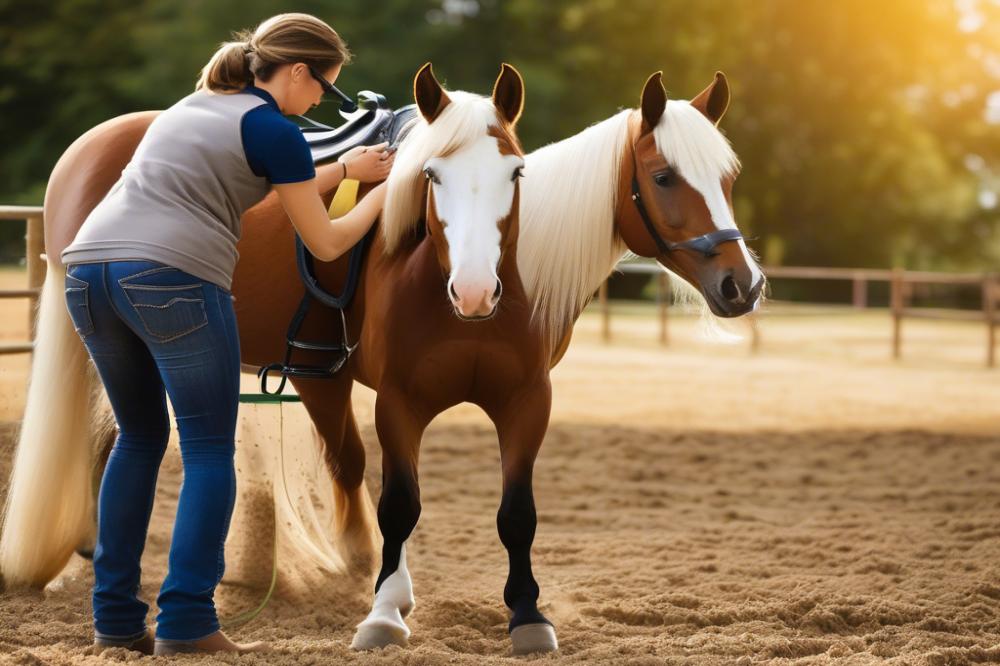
(692, 144)
(465, 119)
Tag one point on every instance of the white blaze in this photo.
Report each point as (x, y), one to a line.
(474, 192)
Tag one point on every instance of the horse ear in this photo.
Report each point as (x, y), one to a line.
(428, 93)
(713, 100)
(653, 102)
(508, 93)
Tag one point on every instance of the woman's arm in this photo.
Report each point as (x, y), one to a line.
(327, 239)
(328, 176)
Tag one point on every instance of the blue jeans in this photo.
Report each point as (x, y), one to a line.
(152, 330)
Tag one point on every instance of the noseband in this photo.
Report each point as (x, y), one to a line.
(704, 244)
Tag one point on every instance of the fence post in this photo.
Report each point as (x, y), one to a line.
(34, 247)
(896, 305)
(602, 295)
(860, 291)
(663, 301)
(991, 293)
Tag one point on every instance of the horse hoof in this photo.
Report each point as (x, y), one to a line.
(530, 638)
(374, 636)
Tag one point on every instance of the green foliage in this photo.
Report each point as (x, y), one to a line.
(860, 125)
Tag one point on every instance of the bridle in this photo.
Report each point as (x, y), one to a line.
(705, 244)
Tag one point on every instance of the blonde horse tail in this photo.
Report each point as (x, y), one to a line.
(50, 500)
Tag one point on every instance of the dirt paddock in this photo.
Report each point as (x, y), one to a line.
(815, 503)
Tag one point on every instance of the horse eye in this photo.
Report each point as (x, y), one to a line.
(431, 176)
(518, 173)
(665, 179)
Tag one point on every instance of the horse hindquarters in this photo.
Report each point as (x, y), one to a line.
(50, 504)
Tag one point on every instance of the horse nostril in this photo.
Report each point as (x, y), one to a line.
(452, 292)
(498, 291)
(729, 289)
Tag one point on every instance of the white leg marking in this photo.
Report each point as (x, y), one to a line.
(394, 601)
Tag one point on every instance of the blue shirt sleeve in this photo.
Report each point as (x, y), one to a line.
(275, 147)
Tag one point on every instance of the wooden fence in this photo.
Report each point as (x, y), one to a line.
(34, 247)
(901, 285)
(900, 288)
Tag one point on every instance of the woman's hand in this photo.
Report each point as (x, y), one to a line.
(368, 164)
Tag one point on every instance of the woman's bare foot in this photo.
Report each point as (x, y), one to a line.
(217, 642)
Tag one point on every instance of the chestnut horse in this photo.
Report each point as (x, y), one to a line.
(656, 181)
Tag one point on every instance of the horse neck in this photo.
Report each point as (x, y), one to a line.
(568, 242)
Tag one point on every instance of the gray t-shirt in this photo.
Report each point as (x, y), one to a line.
(180, 199)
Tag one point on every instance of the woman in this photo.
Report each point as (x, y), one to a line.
(147, 285)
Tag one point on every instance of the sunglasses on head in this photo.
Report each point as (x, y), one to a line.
(347, 105)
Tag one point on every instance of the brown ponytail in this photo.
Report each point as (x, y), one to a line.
(281, 39)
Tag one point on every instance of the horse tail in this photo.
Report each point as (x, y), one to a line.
(50, 501)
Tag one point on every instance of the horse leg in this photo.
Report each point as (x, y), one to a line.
(521, 429)
(355, 514)
(329, 405)
(399, 430)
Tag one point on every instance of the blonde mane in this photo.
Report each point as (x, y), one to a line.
(568, 244)
(467, 118)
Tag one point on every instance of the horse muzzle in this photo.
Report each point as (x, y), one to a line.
(732, 297)
(476, 300)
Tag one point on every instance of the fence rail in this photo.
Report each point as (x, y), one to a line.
(900, 284)
(900, 289)
(34, 241)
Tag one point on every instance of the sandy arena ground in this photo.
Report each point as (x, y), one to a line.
(814, 503)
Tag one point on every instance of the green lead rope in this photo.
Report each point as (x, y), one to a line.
(259, 398)
(243, 618)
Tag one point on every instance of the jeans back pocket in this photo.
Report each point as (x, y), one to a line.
(78, 305)
(167, 311)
